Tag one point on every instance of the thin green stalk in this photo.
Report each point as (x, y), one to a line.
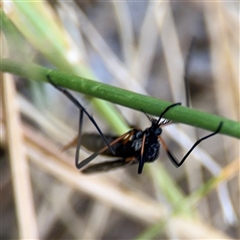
(123, 97)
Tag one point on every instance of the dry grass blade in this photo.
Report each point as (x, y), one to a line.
(46, 156)
(195, 230)
(18, 161)
(140, 46)
(125, 29)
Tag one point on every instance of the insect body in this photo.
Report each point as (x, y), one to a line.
(134, 147)
(138, 147)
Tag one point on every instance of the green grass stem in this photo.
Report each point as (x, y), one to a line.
(123, 97)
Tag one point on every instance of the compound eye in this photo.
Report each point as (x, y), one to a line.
(158, 131)
(138, 134)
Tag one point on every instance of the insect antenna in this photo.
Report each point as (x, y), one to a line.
(148, 117)
(164, 122)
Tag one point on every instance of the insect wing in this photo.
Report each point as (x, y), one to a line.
(94, 142)
(121, 145)
(101, 151)
(108, 166)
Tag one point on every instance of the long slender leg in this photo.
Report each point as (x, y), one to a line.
(81, 108)
(186, 73)
(79, 137)
(173, 158)
(141, 162)
(171, 106)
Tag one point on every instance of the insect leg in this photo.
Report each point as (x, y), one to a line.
(141, 162)
(173, 158)
(81, 108)
(79, 138)
(70, 144)
(128, 137)
(173, 105)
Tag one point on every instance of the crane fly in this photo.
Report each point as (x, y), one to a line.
(133, 147)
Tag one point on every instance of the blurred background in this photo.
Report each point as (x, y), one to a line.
(142, 47)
